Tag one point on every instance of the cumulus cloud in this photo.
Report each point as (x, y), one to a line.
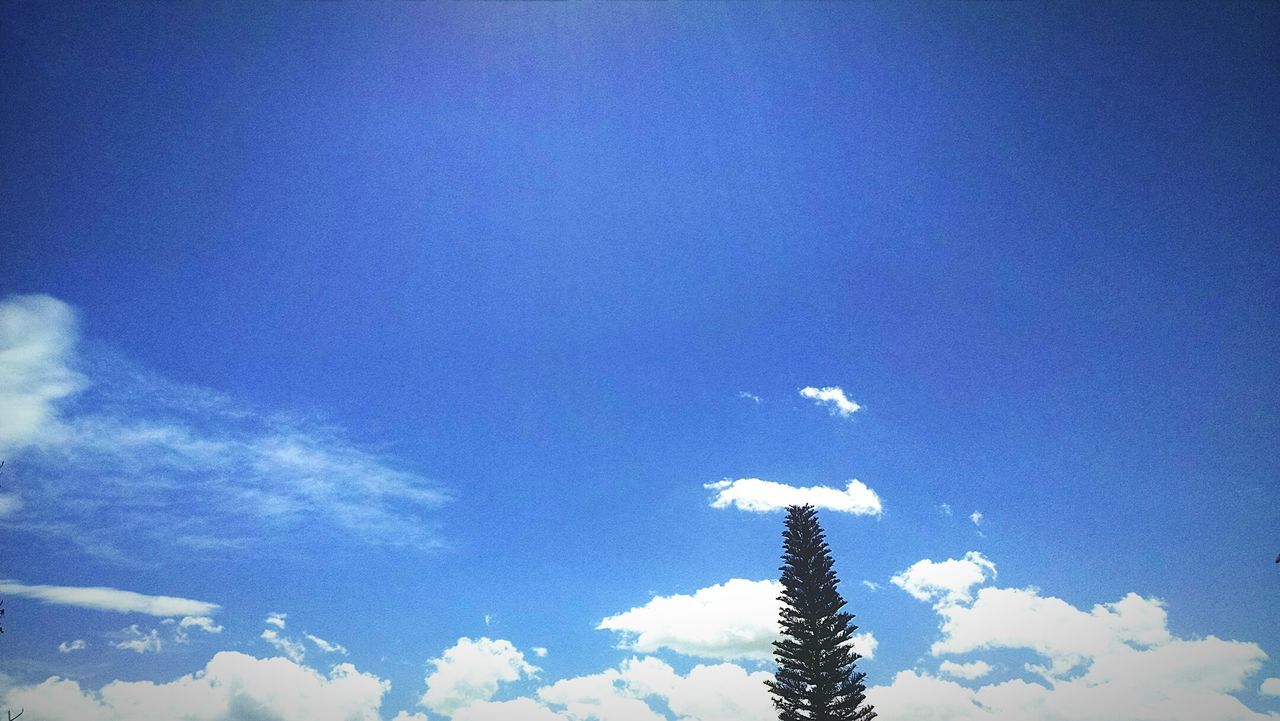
(731, 620)
(69, 646)
(970, 671)
(231, 687)
(737, 619)
(470, 671)
(100, 598)
(1270, 687)
(721, 692)
(37, 337)
(945, 582)
(1116, 660)
(760, 496)
(833, 398)
(145, 447)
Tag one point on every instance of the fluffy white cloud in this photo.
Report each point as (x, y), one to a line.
(1051, 627)
(470, 671)
(37, 335)
(945, 582)
(1117, 661)
(976, 518)
(69, 646)
(134, 437)
(833, 398)
(231, 687)
(1270, 687)
(760, 496)
(99, 598)
(737, 619)
(521, 709)
(722, 692)
(970, 671)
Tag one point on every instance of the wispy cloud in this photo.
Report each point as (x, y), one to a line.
(976, 518)
(100, 598)
(761, 496)
(68, 646)
(326, 646)
(128, 457)
(751, 397)
(833, 398)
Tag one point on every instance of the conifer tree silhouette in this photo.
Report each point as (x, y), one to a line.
(816, 678)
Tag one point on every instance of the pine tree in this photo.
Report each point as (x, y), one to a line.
(816, 679)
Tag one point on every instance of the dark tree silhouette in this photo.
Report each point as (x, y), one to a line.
(816, 679)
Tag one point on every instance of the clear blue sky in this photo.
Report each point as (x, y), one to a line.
(519, 280)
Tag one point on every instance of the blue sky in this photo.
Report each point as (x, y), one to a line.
(428, 331)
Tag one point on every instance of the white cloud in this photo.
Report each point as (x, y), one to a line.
(99, 598)
(760, 496)
(539, 651)
(945, 582)
(833, 397)
(871, 585)
(976, 517)
(37, 337)
(470, 671)
(1117, 661)
(521, 709)
(1270, 687)
(69, 646)
(722, 692)
(276, 619)
(737, 619)
(204, 623)
(291, 648)
(751, 397)
(231, 687)
(944, 509)
(133, 639)
(327, 646)
(970, 671)
(146, 447)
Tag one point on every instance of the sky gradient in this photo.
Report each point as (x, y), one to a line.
(457, 359)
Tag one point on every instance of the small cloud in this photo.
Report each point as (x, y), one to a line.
(294, 650)
(327, 646)
(948, 582)
(276, 619)
(833, 397)
(760, 496)
(976, 517)
(137, 641)
(1270, 687)
(539, 651)
(967, 671)
(751, 397)
(871, 585)
(944, 509)
(204, 623)
(489, 619)
(69, 646)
